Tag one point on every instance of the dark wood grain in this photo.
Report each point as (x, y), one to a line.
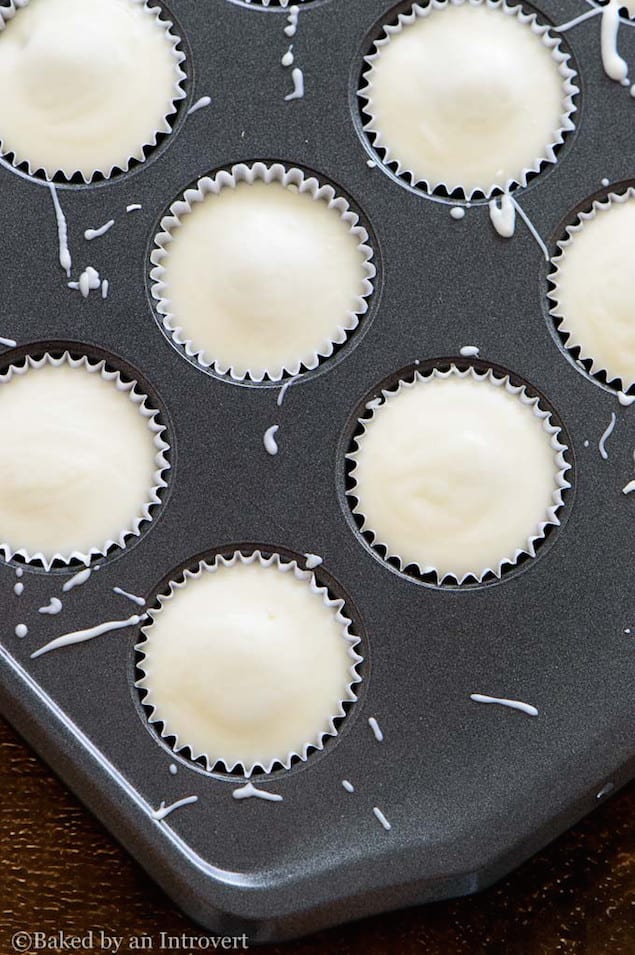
(59, 869)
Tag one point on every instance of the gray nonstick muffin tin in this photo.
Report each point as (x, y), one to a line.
(469, 791)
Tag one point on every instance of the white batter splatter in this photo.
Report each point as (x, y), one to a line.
(285, 387)
(375, 727)
(382, 819)
(607, 434)
(201, 103)
(533, 230)
(570, 24)
(9, 342)
(89, 281)
(313, 561)
(271, 445)
(502, 213)
(470, 351)
(298, 85)
(124, 593)
(134, 207)
(77, 580)
(615, 67)
(82, 636)
(18, 589)
(457, 212)
(62, 232)
(91, 234)
(53, 607)
(292, 21)
(511, 704)
(249, 791)
(21, 631)
(164, 810)
(348, 786)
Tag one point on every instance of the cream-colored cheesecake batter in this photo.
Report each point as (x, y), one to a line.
(247, 663)
(455, 475)
(85, 84)
(77, 461)
(466, 96)
(595, 289)
(263, 278)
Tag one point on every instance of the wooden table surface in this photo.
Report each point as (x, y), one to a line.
(60, 870)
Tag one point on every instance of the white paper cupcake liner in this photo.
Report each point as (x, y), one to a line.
(571, 343)
(542, 30)
(349, 696)
(212, 185)
(159, 477)
(551, 515)
(139, 154)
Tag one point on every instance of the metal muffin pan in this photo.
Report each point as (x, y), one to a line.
(470, 791)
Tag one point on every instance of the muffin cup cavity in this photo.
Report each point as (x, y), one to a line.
(389, 158)
(216, 763)
(291, 177)
(159, 477)
(429, 573)
(140, 153)
(574, 346)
